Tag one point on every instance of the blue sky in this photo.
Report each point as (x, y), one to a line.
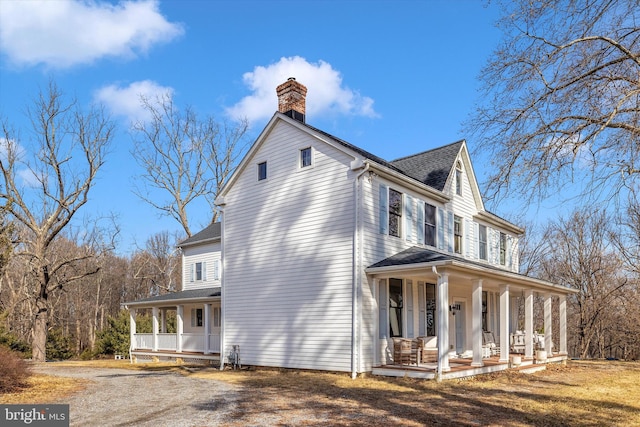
(393, 77)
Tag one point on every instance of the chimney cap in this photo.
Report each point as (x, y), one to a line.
(291, 78)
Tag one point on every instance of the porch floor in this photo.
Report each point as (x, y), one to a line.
(461, 367)
(169, 355)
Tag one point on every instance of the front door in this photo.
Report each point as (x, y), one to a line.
(460, 327)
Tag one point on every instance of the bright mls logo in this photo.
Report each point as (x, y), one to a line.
(35, 415)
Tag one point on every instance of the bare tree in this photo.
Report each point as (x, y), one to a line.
(184, 156)
(579, 253)
(44, 185)
(157, 267)
(563, 98)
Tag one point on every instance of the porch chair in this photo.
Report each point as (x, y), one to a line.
(489, 346)
(428, 349)
(405, 351)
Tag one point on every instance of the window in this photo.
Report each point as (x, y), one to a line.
(395, 307)
(305, 157)
(198, 271)
(262, 171)
(459, 178)
(395, 212)
(482, 242)
(216, 317)
(503, 249)
(196, 317)
(429, 225)
(457, 234)
(431, 310)
(484, 311)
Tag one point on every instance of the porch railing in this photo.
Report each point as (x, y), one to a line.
(190, 342)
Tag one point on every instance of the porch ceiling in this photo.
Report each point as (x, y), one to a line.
(420, 262)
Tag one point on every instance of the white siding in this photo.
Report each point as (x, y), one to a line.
(209, 254)
(289, 257)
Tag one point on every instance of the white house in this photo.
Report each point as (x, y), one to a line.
(331, 258)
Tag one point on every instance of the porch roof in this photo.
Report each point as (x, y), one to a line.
(192, 295)
(417, 260)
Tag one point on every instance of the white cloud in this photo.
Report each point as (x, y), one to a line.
(126, 101)
(62, 34)
(326, 94)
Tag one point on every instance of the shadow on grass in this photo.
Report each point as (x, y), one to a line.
(328, 398)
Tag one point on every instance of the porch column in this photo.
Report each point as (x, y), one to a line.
(548, 332)
(476, 323)
(528, 324)
(207, 327)
(443, 324)
(179, 327)
(132, 328)
(563, 324)
(504, 323)
(155, 329)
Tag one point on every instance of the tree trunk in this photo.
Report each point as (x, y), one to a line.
(39, 341)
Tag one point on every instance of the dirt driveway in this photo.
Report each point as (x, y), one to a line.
(121, 397)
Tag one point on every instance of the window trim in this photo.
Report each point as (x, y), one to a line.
(428, 225)
(483, 244)
(502, 248)
(397, 215)
(301, 158)
(458, 183)
(458, 234)
(260, 164)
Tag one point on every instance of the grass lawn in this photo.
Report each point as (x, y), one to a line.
(584, 393)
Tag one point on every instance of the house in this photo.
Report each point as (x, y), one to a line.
(330, 258)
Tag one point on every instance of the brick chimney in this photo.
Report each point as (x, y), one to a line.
(291, 99)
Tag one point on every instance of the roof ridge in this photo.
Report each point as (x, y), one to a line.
(427, 151)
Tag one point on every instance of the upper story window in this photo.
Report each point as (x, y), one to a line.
(457, 234)
(305, 157)
(429, 225)
(395, 212)
(459, 178)
(262, 171)
(198, 271)
(482, 242)
(503, 249)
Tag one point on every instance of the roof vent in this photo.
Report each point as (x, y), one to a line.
(291, 99)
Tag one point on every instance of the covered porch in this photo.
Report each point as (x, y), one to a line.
(184, 325)
(440, 316)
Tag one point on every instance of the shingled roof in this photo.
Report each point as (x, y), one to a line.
(430, 167)
(212, 232)
(191, 294)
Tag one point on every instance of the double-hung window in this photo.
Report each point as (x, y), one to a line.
(395, 212)
(196, 317)
(457, 234)
(482, 242)
(503, 249)
(429, 225)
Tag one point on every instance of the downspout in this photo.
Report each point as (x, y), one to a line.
(222, 287)
(355, 301)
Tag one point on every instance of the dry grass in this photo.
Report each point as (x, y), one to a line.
(44, 389)
(580, 394)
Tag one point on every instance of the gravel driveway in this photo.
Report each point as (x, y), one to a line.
(121, 397)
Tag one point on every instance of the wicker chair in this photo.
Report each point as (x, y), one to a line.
(405, 351)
